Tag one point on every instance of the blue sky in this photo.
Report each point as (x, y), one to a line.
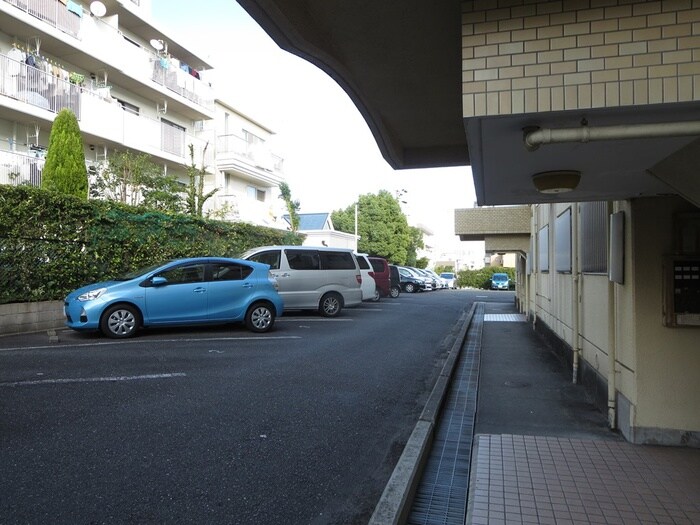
(330, 154)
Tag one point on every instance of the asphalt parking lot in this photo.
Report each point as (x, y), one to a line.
(299, 425)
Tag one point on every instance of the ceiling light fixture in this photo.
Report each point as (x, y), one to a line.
(559, 181)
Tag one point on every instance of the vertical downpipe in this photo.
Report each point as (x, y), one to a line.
(575, 294)
(612, 343)
(535, 264)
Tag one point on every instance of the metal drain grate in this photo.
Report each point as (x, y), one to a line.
(441, 497)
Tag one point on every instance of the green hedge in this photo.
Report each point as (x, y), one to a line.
(51, 243)
(481, 278)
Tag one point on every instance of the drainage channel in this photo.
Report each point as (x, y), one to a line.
(441, 496)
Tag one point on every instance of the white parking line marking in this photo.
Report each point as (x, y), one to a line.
(139, 341)
(92, 379)
(311, 319)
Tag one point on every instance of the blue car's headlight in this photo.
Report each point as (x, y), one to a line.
(92, 294)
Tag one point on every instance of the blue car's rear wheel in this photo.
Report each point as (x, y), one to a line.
(260, 317)
(120, 321)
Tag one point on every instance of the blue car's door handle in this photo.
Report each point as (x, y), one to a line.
(199, 290)
(247, 285)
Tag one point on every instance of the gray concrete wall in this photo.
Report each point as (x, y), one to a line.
(17, 318)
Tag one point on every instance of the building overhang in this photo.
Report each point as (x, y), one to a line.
(398, 60)
(401, 63)
(504, 229)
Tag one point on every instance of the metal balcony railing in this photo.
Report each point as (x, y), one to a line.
(35, 86)
(59, 15)
(257, 154)
(17, 169)
(53, 12)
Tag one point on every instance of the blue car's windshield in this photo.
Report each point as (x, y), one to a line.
(499, 277)
(137, 273)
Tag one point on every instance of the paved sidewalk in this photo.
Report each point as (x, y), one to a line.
(543, 454)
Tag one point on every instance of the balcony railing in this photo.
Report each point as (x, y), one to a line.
(17, 169)
(53, 12)
(93, 32)
(34, 86)
(256, 154)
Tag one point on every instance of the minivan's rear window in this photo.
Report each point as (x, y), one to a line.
(303, 259)
(364, 265)
(337, 260)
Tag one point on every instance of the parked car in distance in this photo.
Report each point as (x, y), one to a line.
(441, 282)
(204, 290)
(381, 275)
(451, 279)
(313, 278)
(500, 281)
(395, 281)
(434, 284)
(412, 282)
(368, 285)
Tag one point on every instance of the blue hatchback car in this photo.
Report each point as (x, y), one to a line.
(205, 290)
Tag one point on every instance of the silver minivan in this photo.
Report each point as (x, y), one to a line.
(313, 278)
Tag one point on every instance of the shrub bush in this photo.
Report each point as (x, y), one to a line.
(52, 243)
(481, 278)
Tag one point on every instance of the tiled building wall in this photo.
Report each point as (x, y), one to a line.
(523, 56)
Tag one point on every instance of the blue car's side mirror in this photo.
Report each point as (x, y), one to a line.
(159, 281)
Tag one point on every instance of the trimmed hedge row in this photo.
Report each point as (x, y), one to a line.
(51, 243)
(481, 278)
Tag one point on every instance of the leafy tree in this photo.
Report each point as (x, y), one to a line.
(415, 245)
(133, 179)
(441, 269)
(195, 196)
(65, 170)
(381, 225)
(422, 263)
(292, 205)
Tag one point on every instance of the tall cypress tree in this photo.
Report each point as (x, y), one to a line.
(64, 170)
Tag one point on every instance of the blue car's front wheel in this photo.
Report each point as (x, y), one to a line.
(120, 321)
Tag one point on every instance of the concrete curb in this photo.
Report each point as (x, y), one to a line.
(393, 508)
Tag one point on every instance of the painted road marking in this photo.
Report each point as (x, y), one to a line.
(92, 379)
(139, 341)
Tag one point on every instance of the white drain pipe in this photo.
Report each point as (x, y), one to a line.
(535, 137)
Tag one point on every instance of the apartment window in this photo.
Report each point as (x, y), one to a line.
(543, 249)
(255, 193)
(173, 138)
(594, 238)
(128, 107)
(562, 242)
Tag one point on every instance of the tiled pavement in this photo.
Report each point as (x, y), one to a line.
(551, 480)
(534, 448)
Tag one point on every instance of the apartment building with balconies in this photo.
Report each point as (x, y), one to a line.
(248, 171)
(131, 84)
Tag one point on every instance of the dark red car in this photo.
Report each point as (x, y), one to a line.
(381, 276)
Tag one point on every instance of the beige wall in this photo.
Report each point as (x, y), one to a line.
(668, 358)
(526, 57)
(656, 368)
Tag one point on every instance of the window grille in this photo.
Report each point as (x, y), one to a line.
(543, 249)
(594, 238)
(562, 242)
